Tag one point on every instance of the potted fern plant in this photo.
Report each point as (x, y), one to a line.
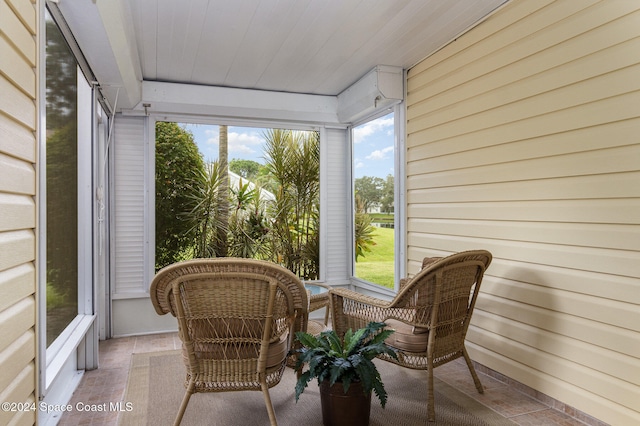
(345, 371)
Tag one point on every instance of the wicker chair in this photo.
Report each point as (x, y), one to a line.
(236, 319)
(430, 314)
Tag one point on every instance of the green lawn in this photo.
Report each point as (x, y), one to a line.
(377, 265)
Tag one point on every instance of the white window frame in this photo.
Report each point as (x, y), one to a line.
(216, 121)
(56, 361)
(399, 200)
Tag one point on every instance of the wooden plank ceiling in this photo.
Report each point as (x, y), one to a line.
(300, 46)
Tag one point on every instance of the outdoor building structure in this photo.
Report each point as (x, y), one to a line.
(517, 128)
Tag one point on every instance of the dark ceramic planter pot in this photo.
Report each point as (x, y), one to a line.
(340, 409)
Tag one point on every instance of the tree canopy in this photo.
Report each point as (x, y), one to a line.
(388, 195)
(375, 191)
(247, 169)
(179, 173)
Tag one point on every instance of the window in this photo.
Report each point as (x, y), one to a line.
(66, 227)
(61, 183)
(271, 210)
(374, 192)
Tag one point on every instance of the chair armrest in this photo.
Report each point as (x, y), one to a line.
(358, 297)
(352, 310)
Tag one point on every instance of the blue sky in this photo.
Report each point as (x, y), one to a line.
(373, 145)
(373, 151)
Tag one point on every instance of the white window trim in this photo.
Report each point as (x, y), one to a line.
(52, 360)
(399, 111)
(216, 121)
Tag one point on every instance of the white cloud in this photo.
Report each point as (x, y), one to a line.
(239, 142)
(381, 124)
(380, 154)
(245, 143)
(212, 136)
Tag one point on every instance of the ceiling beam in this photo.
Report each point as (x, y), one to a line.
(175, 98)
(115, 17)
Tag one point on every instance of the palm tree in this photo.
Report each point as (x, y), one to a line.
(363, 229)
(205, 215)
(293, 158)
(249, 229)
(223, 193)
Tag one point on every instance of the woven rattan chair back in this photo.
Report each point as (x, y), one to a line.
(431, 313)
(236, 319)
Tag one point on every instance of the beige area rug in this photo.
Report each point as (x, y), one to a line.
(155, 390)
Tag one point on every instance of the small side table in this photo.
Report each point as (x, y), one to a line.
(318, 299)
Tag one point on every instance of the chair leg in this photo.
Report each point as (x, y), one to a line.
(472, 370)
(185, 401)
(431, 405)
(267, 402)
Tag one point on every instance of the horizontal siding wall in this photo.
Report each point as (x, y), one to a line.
(522, 138)
(17, 207)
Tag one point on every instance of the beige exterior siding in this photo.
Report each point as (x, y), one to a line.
(522, 138)
(17, 207)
